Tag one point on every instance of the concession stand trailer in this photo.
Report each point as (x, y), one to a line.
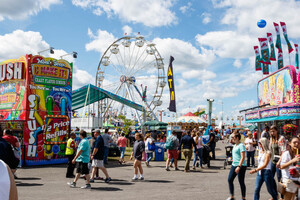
(278, 100)
(35, 103)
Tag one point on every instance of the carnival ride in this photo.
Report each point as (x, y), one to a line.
(131, 67)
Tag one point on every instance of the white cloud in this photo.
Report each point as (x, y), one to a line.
(16, 9)
(245, 13)
(18, 43)
(245, 104)
(237, 63)
(100, 41)
(227, 44)
(150, 13)
(81, 78)
(199, 74)
(127, 29)
(206, 18)
(185, 8)
(186, 56)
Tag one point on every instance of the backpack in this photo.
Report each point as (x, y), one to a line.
(169, 143)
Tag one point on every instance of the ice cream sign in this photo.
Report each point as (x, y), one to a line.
(49, 72)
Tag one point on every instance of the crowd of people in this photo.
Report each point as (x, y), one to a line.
(276, 154)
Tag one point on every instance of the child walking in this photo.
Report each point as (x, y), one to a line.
(138, 153)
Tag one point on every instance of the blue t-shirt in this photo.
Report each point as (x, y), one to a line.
(236, 154)
(84, 145)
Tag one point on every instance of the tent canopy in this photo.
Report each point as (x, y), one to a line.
(154, 123)
(90, 94)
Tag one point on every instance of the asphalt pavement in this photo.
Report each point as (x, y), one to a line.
(49, 182)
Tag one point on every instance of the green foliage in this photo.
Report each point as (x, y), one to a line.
(127, 123)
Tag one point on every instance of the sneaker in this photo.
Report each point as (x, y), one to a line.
(107, 180)
(72, 184)
(167, 169)
(99, 178)
(147, 163)
(141, 178)
(135, 178)
(176, 169)
(229, 198)
(197, 164)
(87, 186)
(92, 181)
(171, 166)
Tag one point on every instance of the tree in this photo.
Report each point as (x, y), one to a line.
(127, 123)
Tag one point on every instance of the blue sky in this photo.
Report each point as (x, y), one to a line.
(211, 40)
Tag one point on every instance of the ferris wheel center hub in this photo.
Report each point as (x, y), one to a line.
(124, 79)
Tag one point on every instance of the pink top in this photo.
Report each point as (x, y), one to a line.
(122, 141)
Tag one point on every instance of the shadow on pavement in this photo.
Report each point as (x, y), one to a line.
(28, 178)
(158, 181)
(29, 184)
(106, 189)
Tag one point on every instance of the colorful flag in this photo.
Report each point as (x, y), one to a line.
(172, 105)
(257, 59)
(283, 26)
(296, 56)
(265, 69)
(278, 40)
(280, 60)
(272, 53)
(264, 48)
(278, 46)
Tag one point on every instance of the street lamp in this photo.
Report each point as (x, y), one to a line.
(72, 53)
(50, 50)
(209, 110)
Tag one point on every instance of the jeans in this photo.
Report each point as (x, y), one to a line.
(198, 155)
(265, 176)
(188, 156)
(241, 178)
(105, 154)
(122, 150)
(149, 157)
(274, 170)
(212, 147)
(250, 157)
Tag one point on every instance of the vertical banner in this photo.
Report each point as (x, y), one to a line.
(278, 46)
(272, 49)
(283, 26)
(265, 69)
(296, 56)
(257, 59)
(264, 51)
(172, 106)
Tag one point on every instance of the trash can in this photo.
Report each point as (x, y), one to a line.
(159, 151)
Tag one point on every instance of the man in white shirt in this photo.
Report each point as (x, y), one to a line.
(8, 189)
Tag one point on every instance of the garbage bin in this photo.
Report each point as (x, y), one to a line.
(159, 151)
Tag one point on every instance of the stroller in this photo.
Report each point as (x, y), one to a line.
(228, 150)
(205, 156)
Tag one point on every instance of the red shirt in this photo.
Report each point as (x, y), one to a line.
(11, 139)
(122, 141)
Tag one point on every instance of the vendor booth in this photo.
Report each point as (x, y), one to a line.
(35, 103)
(278, 100)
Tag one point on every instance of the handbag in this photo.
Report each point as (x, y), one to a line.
(151, 147)
(281, 187)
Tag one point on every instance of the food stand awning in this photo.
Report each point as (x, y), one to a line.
(272, 119)
(90, 94)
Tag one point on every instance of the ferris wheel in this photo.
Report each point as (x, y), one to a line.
(132, 68)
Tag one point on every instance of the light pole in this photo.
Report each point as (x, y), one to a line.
(209, 110)
(50, 50)
(74, 54)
